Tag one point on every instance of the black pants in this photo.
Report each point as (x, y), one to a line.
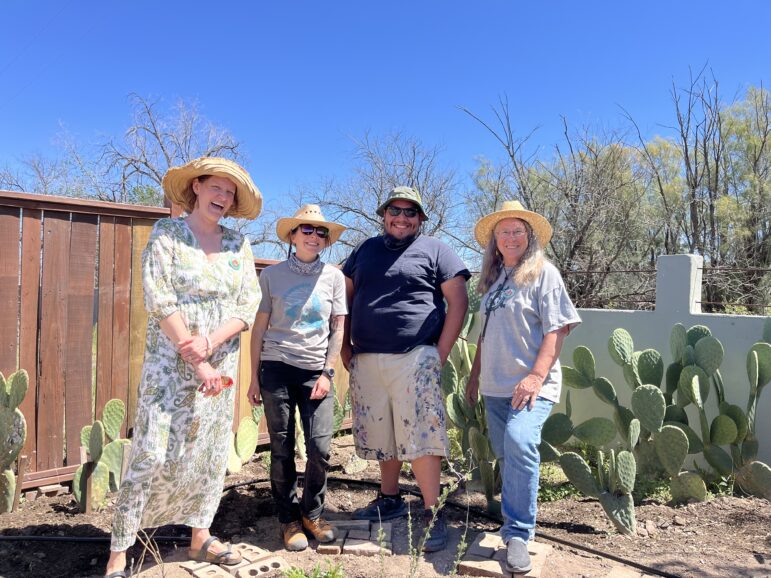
(284, 387)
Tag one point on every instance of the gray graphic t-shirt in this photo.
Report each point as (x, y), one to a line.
(300, 307)
(519, 319)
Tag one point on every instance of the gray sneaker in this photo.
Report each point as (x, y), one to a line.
(437, 537)
(382, 508)
(517, 557)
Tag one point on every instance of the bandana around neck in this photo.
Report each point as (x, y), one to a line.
(302, 268)
(394, 244)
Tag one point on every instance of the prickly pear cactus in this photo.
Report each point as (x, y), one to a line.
(755, 479)
(650, 367)
(580, 474)
(13, 432)
(649, 405)
(113, 414)
(687, 486)
(621, 347)
(246, 438)
(7, 490)
(672, 448)
(620, 511)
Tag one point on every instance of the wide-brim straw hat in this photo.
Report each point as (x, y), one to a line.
(308, 215)
(178, 185)
(513, 210)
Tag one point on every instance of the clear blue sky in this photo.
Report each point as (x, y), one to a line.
(293, 81)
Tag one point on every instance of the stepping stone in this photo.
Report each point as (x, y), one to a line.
(262, 567)
(250, 552)
(211, 571)
(366, 548)
(357, 534)
(374, 529)
(190, 565)
(487, 554)
(350, 524)
(332, 548)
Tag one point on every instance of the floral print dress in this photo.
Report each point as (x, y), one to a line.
(180, 443)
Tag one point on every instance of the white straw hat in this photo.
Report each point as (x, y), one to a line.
(308, 215)
(513, 210)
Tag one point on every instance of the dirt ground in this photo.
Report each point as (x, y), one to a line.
(726, 536)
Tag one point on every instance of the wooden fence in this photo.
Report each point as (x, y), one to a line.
(72, 315)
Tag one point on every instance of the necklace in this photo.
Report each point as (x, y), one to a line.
(303, 268)
(495, 300)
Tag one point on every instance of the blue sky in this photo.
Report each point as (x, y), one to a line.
(294, 81)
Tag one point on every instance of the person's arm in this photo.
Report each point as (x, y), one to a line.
(196, 349)
(346, 351)
(175, 329)
(526, 391)
(259, 328)
(472, 385)
(323, 383)
(454, 291)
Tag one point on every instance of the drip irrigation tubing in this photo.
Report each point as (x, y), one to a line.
(370, 483)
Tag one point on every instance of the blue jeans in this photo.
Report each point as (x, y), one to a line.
(515, 436)
(284, 387)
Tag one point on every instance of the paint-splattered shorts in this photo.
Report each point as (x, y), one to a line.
(397, 405)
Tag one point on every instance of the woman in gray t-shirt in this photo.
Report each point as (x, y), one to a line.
(298, 332)
(526, 314)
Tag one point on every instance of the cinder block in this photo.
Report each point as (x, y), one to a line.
(485, 545)
(264, 566)
(387, 531)
(250, 552)
(359, 534)
(366, 548)
(233, 570)
(211, 571)
(350, 524)
(190, 565)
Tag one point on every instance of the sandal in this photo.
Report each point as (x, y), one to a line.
(118, 574)
(226, 557)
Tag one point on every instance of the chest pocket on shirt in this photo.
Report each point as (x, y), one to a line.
(416, 266)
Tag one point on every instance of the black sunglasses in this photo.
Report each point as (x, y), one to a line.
(322, 232)
(409, 212)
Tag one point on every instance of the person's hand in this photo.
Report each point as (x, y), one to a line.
(253, 394)
(526, 392)
(211, 380)
(194, 350)
(321, 387)
(346, 354)
(472, 390)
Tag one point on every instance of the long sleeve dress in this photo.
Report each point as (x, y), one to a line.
(180, 444)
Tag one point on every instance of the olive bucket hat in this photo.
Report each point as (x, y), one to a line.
(403, 194)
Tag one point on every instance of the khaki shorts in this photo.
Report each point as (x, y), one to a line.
(397, 405)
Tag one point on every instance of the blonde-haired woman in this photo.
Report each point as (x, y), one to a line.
(200, 292)
(526, 315)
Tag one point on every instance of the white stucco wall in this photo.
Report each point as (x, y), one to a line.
(678, 291)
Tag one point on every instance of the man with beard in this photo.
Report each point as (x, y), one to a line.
(398, 336)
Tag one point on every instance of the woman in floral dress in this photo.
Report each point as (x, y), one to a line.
(200, 292)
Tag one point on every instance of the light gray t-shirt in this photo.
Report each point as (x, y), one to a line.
(300, 307)
(519, 319)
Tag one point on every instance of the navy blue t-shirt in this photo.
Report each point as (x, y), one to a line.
(397, 301)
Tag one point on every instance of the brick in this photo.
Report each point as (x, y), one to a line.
(250, 552)
(350, 524)
(190, 565)
(52, 490)
(31, 495)
(482, 566)
(211, 571)
(263, 567)
(332, 548)
(359, 534)
(485, 545)
(538, 553)
(365, 548)
(387, 531)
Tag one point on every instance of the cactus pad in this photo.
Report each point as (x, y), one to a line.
(13, 433)
(626, 471)
(676, 413)
(100, 485)
(455, 410)
(112, 457)
(234, 461)
(623, 417)
(583, 359)
(620, 510)
(621, 346)
(719, 459)
(7, 490)
(709, 354)
(633, 433)
(650, 367)
(687, 486)
(649, 407)
(17, 384)
(740, 419)
(755, 479)
(113, 414)
(579, 473)
(85, 435)
(696, 333)
(449, 378)
(96, 441)
(548, 452)
(671, 448)
(574, 378)
(685, 385)
(723, 431)
(246, 438)
(672, 377)
(630, 372)
(678, 339)
(695, 446)
(763, 351)
(479, 445)
(604, 389)
(557, 429)
(596, 431)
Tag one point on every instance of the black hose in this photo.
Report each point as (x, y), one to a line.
(476, 511)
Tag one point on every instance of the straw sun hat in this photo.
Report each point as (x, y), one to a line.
(512, 210)
(308, 215)
(178, 185)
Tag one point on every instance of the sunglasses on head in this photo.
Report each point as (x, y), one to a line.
(321, 232)
(409, 212)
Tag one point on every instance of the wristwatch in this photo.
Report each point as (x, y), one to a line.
(330, 373)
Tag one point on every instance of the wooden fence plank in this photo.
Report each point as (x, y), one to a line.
(28, 324)
(53, 317)
(9, 289)
(80, 324)
(138, 322)
(105, 313)
(120, 313)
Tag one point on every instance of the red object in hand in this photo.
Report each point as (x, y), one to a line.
(226, 382)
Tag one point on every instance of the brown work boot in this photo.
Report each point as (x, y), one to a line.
(322, 530)
(294, 537)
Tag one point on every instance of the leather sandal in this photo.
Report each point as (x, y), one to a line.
(225, 558)
(117, 574)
